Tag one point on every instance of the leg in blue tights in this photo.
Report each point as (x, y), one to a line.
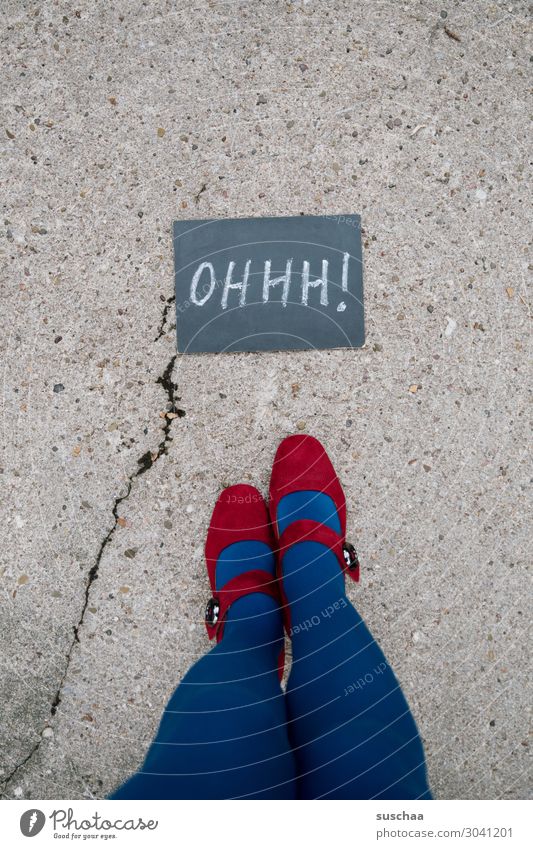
(353, 734)
(223, 734)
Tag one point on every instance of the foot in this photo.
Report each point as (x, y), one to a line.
(308, 508)
(241, 567)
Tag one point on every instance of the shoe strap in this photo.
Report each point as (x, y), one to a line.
(253, 581)
(307, 530)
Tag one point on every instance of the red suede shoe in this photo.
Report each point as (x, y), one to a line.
(302, 463)
(240, 514)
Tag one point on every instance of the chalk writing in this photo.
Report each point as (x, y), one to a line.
(293, 284)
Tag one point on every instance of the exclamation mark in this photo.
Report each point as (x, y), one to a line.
(345, 260)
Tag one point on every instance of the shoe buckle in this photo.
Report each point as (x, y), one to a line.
(350, 556)
(212, 611)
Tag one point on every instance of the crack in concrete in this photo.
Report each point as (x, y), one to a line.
(145, 462)
(20, 765)
(161, 331)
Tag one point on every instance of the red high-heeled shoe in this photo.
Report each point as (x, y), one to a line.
(302, 463)
(240, 514)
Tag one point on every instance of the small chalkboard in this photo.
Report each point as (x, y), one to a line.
(269, 284)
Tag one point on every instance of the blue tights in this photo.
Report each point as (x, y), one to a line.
(342, 730)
